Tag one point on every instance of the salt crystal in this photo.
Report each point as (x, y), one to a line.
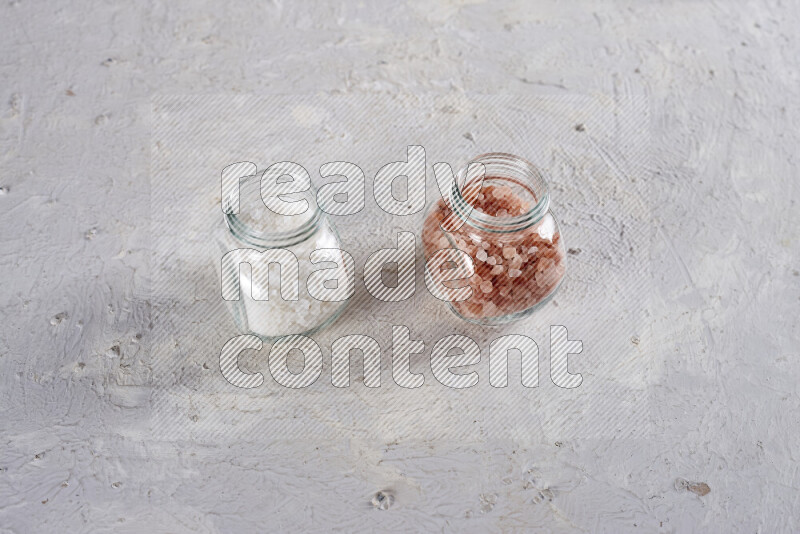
(497, 269)
(513, 273)
(481, 255)
(545, 278)
(509, 252)
(486, 286)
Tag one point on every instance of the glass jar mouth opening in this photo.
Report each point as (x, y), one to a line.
(246, 226)
(526, 180)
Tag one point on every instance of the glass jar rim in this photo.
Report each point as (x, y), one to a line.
(266, 239)
(532, 178)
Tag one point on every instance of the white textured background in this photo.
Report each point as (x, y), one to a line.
(78, 450)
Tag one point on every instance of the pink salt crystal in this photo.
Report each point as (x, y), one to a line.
(546, 278)
(443, 242)
(509, 252)
(489, 309)
(491, 261)
(481, 255)
(497, 269)
(504, 291)
(486, 286)
(513, 273)
(476, 279)
(485, 245)
(516, 262)
(498, 259)
(502, 213)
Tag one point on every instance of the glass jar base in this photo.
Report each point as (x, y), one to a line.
(501, 320)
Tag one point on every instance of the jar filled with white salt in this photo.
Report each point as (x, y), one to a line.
(501, 218)
(280, 274)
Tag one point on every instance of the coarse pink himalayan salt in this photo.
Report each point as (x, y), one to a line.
(513, 271)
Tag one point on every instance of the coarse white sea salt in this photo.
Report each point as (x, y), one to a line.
(259, 228)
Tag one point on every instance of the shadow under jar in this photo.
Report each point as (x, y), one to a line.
(506, 227)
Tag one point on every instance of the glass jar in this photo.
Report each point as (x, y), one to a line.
(258, 228)
(506, 227)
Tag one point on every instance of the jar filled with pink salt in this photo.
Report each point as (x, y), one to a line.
(501, 218)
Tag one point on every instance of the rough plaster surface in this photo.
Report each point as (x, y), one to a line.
(81, 447)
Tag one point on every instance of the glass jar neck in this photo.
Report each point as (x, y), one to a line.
(256, 225)
(501, 169)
